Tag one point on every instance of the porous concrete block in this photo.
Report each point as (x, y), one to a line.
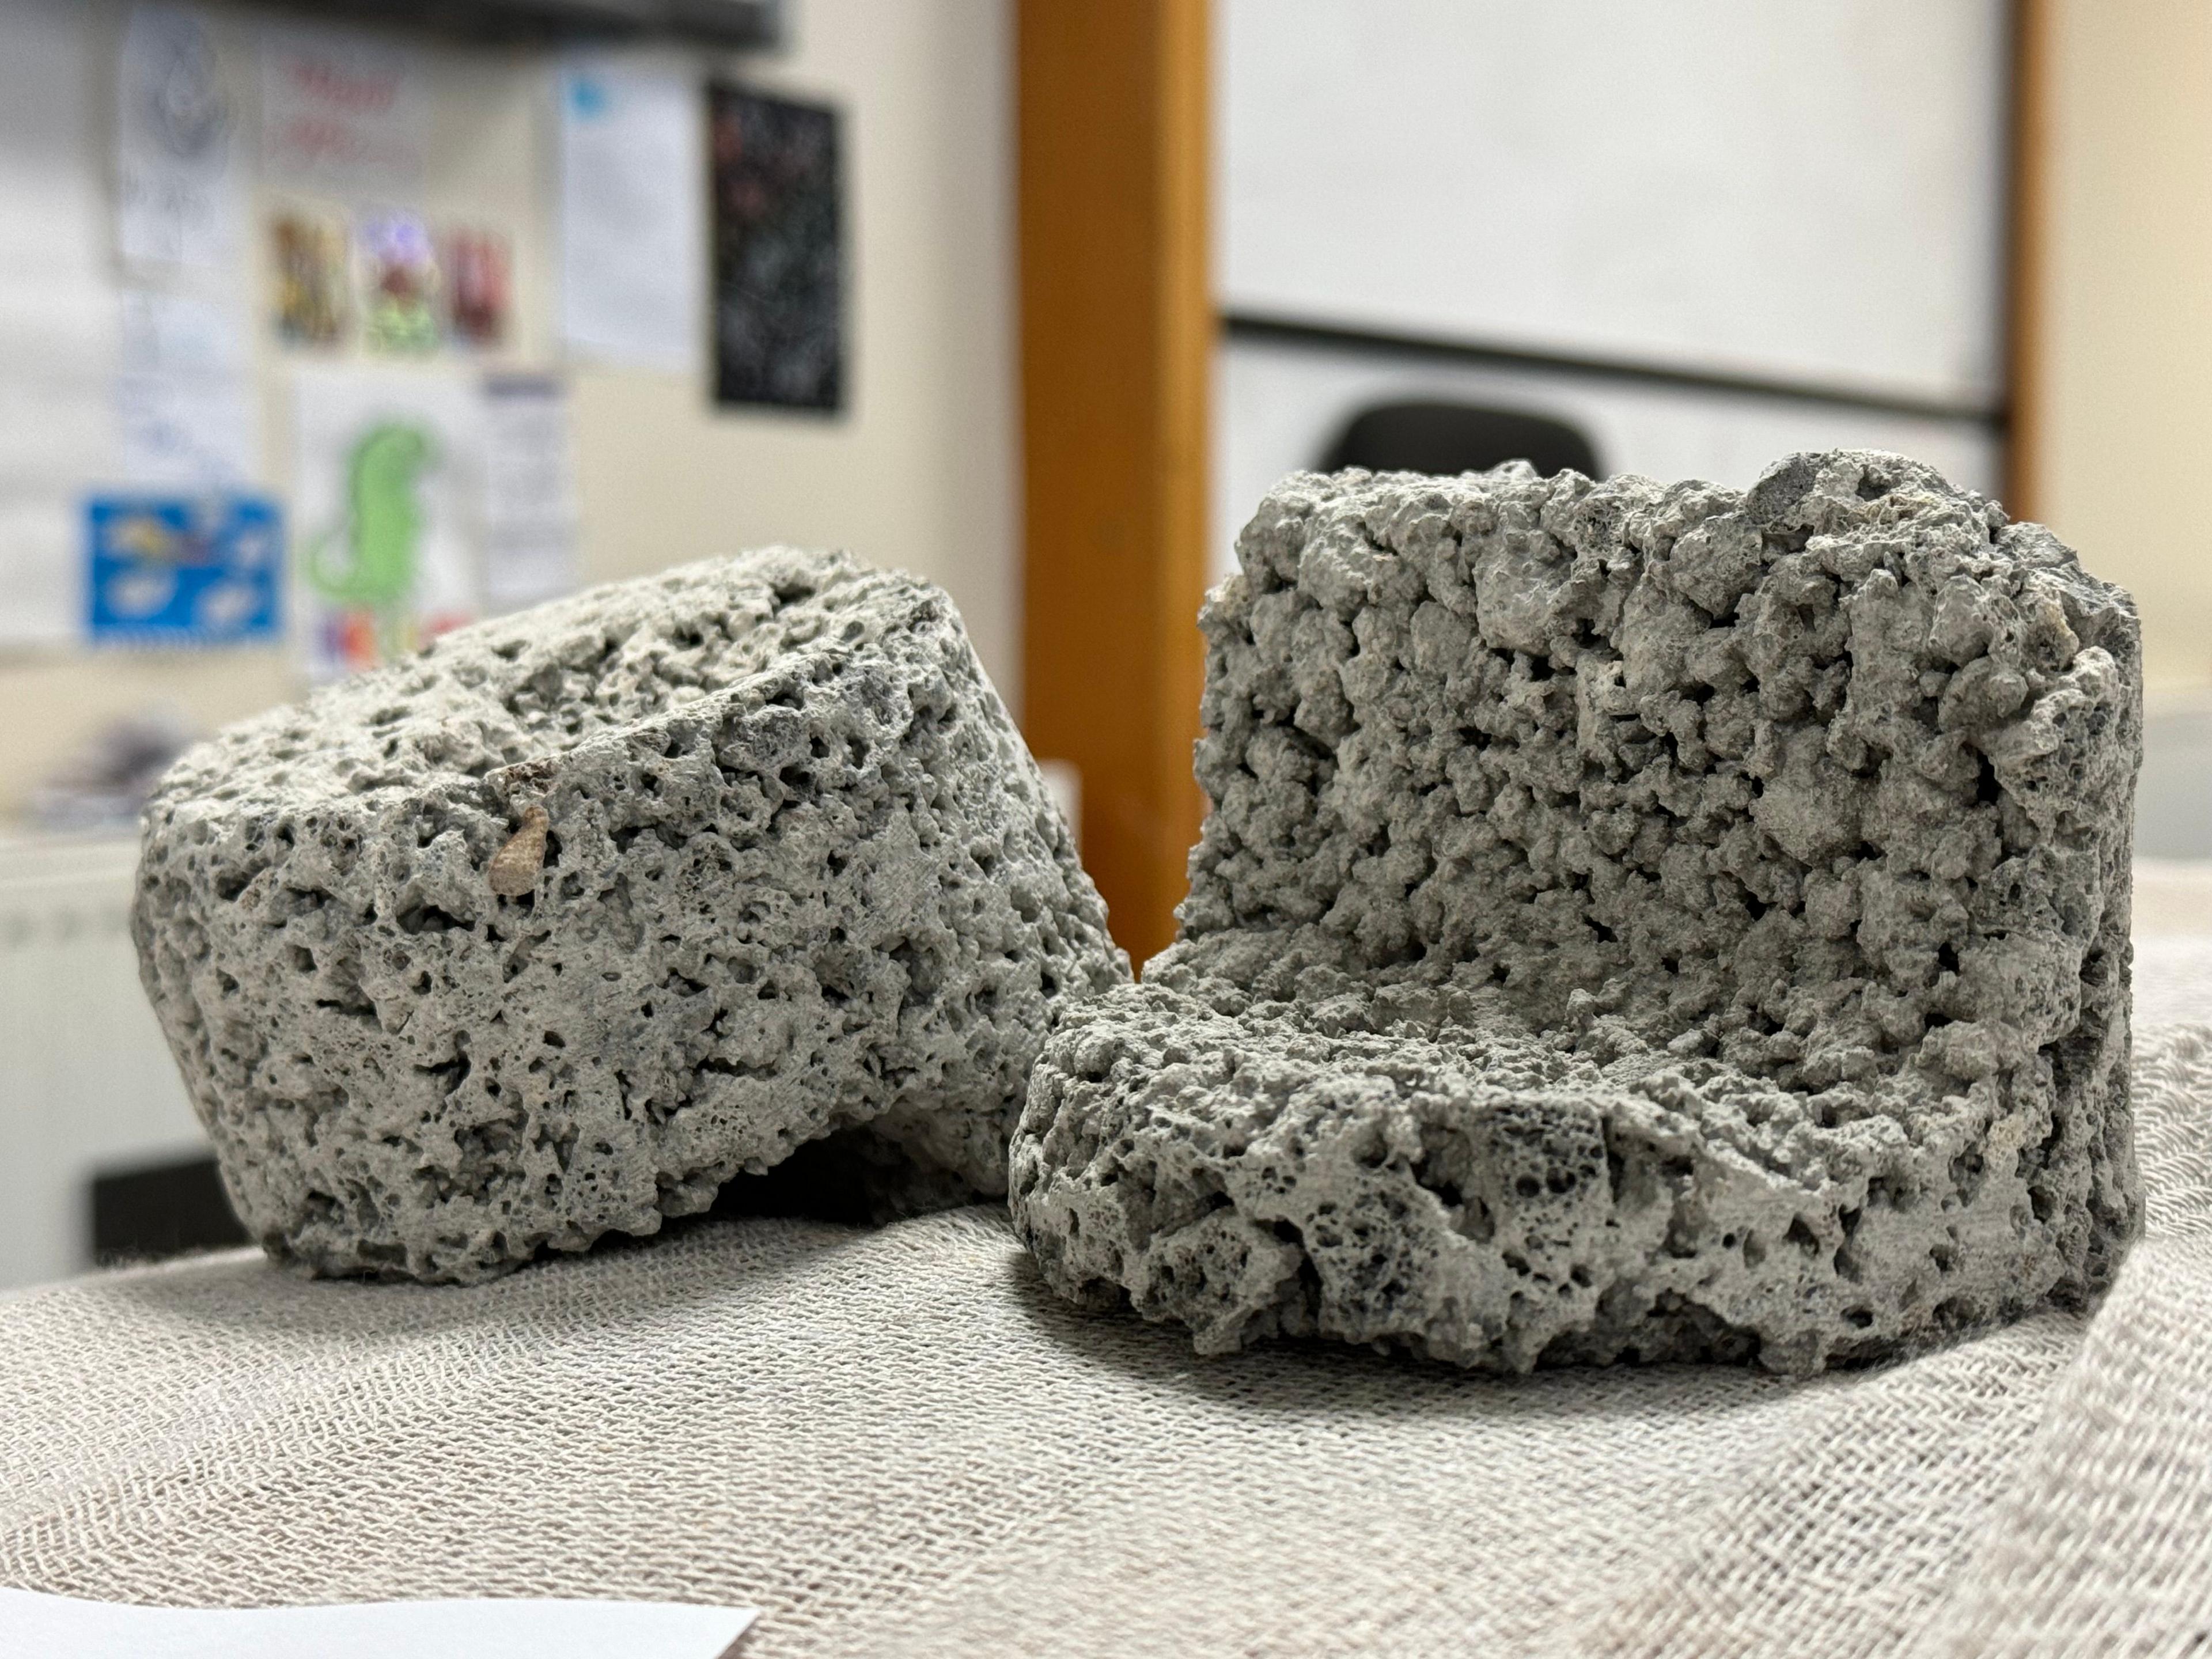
(553, 929)
(1633, 923)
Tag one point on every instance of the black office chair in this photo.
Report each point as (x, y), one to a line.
(1451, 438)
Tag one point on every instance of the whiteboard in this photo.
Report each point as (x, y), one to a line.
(1278, 408)
(1805, 191)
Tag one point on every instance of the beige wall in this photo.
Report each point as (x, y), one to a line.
(919, 473)
(2119, 413)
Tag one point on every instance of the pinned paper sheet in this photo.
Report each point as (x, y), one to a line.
(344, 112)
(179, 192)
(188, 417)
(199, 569)
(387, 512)
(309, 257)
(402, 291)
(57, 321)
(31, 1623)
(632, 180)
(530, 497)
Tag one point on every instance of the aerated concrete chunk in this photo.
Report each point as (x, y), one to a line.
(1634, 923)
(554, 928)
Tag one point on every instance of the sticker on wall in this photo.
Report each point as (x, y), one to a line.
(387, 508)
(479, 274)
(183, 569)
(402, 292)
(778, 290)
(308, 253)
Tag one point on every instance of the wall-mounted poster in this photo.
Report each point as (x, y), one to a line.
(309, 251)
(402, 292)
(630, 176)
(479, 273)
(778, 290)
(187, 416)
(57, 324)
(343, 112)
(387, 509)
(183, 569)
(530, 496)
(178, 189)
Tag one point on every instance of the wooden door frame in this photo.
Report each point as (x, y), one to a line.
(1117, 330)
(2027, 258)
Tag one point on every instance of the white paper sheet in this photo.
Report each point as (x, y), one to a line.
(57, 315)
(189, 431)
(530, 497)
(179, 190)
(170, 333)
(187, 412)
(41, 595)
(342, 111)
(633, 160)
(387, 507)
(31, 1623)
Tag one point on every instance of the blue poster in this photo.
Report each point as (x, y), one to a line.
(183, 570)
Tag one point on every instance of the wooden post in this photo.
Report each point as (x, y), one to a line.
(2026, 303)
(1117, 335)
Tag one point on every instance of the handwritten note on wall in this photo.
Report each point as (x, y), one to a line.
(342, 111)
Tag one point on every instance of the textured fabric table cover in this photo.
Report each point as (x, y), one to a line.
(895, 1442)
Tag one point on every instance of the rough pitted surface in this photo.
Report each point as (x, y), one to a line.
(554, 928)
(1633, 923)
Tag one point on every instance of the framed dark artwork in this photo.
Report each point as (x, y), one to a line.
(778, 230)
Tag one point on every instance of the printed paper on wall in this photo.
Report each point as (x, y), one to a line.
(530, 497)
(180, 195)
(311, 258)
(204, 569)
(186, 411)
(58, 320)
(479, 282)
(630, 182)
(402, 291)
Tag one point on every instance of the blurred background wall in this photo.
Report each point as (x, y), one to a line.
(1109, 271)
(918, 468)
(2116, 404)
(2114, 394)
(918, 471)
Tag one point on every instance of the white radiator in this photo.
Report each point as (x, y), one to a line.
(86, 1081)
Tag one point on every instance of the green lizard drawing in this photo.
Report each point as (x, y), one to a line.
(383, 525)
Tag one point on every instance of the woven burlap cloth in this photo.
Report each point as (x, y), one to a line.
(895, 1442)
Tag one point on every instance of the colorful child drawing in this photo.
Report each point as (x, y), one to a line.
(311, 278)
(479, 284)
(374, 585)
(400, 284)
(183, 569)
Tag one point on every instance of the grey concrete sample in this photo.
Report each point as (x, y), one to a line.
(1633, 923)
(555, 927)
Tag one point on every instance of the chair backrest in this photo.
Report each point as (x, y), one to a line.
(1447, 439)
